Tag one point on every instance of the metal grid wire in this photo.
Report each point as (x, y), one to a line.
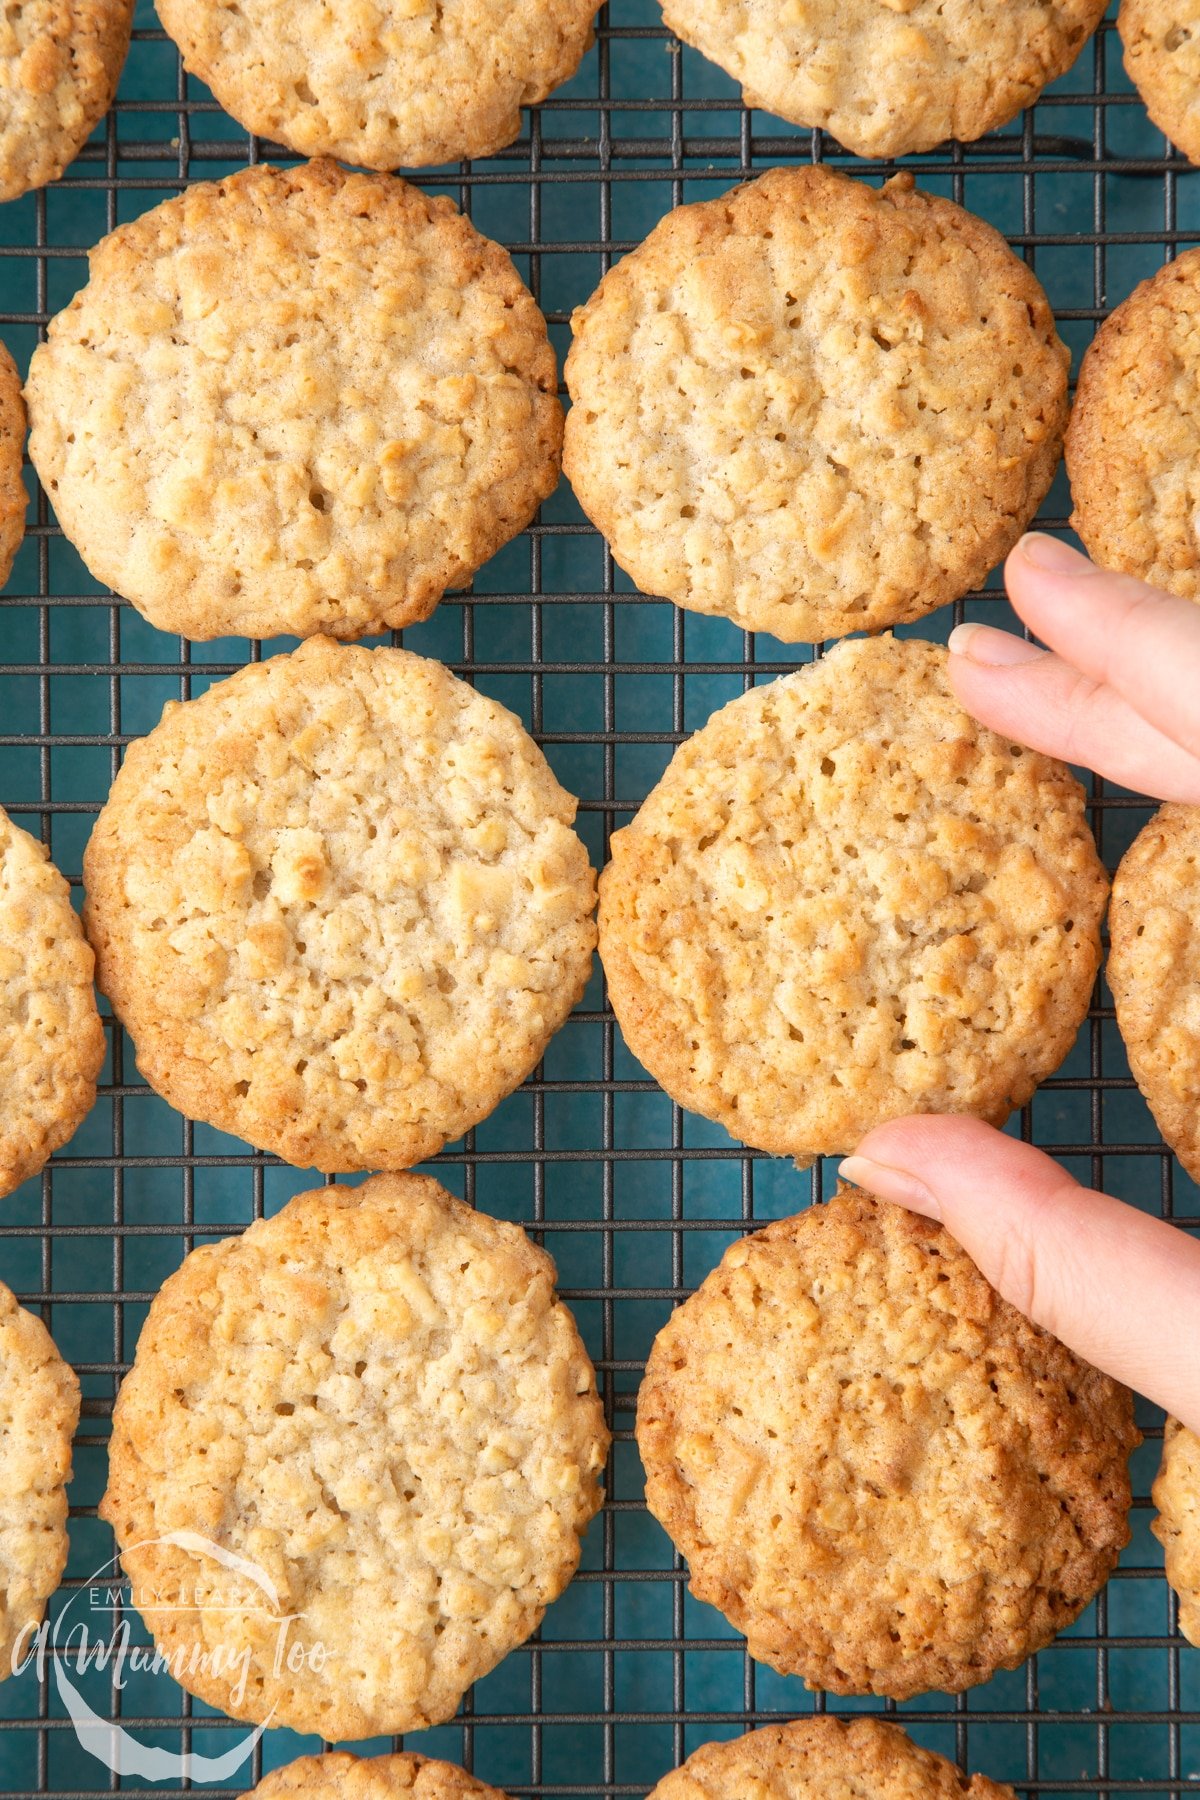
(635, 1199)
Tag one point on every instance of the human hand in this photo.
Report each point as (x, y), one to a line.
(1119, 1287)
(1118, 691)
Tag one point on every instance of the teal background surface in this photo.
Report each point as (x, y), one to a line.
(635, 1200)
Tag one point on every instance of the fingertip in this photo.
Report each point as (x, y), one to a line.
(971, 681)
(1048, 555)
(988, 648)
(1040, 574)
(1075, 605)
(1016, 692)
(914, 1162)
(911, 1142)
(898, 1185)
(957, 1160)
(1004, 1201)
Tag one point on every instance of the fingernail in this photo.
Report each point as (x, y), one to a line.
(1051, 554)
(994, 649)
(890, 1184)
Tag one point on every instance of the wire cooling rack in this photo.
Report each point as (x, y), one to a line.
(635, 1199)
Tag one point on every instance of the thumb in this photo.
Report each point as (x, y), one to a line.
(1118, 1287)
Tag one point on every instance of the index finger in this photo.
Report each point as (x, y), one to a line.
(1122, 634)
(1117, 1285)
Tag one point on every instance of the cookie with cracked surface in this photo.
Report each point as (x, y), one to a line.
(14, 501)
(1154, 972)
(1161, 39)
(295, 400)
(812, 1759)
(60, 62)
(876, 1467)
(39, 1410)
(886, 77)
(1176, 1493)
(386, 83)
(400, 1776)
(846, 901)
(51, 1038)
(1133, 444)
(815, 406)
(339, 904)
(373, 1410)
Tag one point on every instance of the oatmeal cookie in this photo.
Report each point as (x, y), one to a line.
(846, 901)
(39, 1410)
(876, 1467)
(386, 83)
(1133, 444)
(401, 1776)
(1154, 972)
(1176, 1493)
(368, 1417)
(60, 61)
(815, 406)
(13, 498)
(886, 77)
(338, 903)
(815, 1759)
(51, 1038)
(295, 401)
(1162, 59)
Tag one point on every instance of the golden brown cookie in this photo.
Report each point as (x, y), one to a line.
(846, 901)
(815, 406)
(1162, 59)
(295, 400)
(1133, 444)
(369, 1429)
(60, 61)
(876, 1467)
(338, 903)
(401, 1776)
(400, 83)
(823, 1759)
(886, 79)
(1154, 972)
(51, 1038)
(1176, 1493)
(39, 1410)
(13, 499)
